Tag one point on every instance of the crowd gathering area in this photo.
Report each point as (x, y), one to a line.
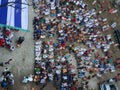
(70, 46)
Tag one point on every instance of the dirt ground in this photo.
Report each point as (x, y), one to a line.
(23, 57)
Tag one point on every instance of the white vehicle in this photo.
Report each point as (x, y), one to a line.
(109, 86)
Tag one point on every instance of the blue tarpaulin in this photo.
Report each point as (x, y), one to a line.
(14, 15)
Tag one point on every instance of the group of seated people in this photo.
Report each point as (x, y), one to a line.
(7, 78)
(43, 28)
(5, 38)
(50, 67)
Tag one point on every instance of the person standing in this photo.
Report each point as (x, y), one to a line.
(20, 40)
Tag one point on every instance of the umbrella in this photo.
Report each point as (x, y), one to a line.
(4, 84)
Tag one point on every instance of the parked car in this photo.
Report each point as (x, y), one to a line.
(108, 86)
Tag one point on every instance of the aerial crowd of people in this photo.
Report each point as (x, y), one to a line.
(73, 29)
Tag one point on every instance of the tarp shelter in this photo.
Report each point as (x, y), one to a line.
(14, 14)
